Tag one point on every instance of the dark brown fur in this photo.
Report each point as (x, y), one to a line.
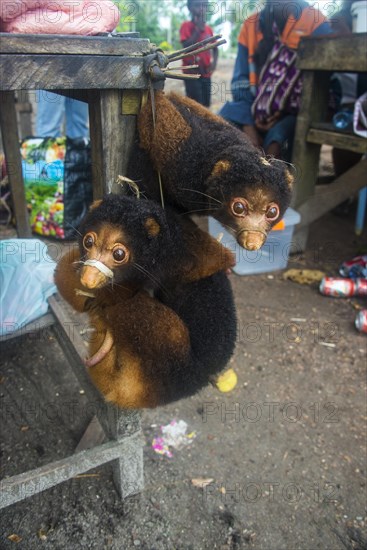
(151, 343)
(206, 166)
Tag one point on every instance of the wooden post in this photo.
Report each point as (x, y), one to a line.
(119, 425)
(306, 155)
(10, 137)
(112, 137)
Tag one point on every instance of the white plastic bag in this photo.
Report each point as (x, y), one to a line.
(360, 116)
(26, 281)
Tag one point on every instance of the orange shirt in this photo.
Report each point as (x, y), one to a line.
(250, 33)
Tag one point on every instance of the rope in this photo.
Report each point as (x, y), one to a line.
(152, 98)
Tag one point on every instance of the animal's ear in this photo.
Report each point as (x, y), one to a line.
(289, 179)
(220, 168)
(95, 204)
(152, 226)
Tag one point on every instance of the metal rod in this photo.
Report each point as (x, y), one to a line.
(194, 46)
(180, 68)
(204, 49)
(182, 76)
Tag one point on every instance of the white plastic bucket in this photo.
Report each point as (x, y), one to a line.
(359, 14)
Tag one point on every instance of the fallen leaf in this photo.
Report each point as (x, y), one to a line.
(14, 538)
(42, 534)
(304, 276)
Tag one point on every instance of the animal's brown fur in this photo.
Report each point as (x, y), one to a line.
(171, 128)
(142, 327)
(128, 315)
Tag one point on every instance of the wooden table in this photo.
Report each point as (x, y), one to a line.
(319, 58)
(112, 75)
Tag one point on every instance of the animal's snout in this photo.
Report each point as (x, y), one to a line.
(91, 277)
(251, 240)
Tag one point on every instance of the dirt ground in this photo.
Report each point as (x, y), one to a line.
(285, 450)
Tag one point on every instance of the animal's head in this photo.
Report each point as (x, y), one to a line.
(251, 194)
(123, 239)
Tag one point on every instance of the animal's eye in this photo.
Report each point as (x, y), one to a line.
(119, 254)
(239, 208)
(88, 241)
(272, 212)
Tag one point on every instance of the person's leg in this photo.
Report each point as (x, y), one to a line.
(205, 91)
(76, 118)
(50, 114)
(193, 89)
(278, 135)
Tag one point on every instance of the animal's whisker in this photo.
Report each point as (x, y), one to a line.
(75, 229)
(199, 210)
(201, 193)
(113, 284)
(229, 228)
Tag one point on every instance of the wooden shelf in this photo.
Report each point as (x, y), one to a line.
(345, 53)
(326, 134)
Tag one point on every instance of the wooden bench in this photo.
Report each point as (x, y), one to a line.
(319, 58)
(112, 75)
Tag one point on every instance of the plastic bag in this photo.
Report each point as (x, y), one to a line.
(360, 116)
(26, 281)
(57, 177)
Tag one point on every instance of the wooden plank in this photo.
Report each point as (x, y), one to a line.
(45, 321)
(329, 196)
(94, 435)
(73, 346)
(333, 53)
(10, 137)
(73, 45)
(96, 142)
(118, 424)
(46, 72)
(30, 483)
(306, 155)
(112, 138)
(342, 141)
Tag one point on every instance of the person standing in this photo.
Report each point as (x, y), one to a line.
(191, 32)
(53, 110)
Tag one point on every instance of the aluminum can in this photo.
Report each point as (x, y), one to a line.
(361, 321)
(337, 287)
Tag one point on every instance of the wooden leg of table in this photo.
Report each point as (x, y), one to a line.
(306, 155)
(9, 132)
(119, 425)
(112, 137)
(124, 425)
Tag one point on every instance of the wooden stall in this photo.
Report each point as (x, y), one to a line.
(319, 58)
(111, 73)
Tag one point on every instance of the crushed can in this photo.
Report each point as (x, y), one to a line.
(361, 321)
(343, 288)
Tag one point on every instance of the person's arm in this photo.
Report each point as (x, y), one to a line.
(322, 29)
